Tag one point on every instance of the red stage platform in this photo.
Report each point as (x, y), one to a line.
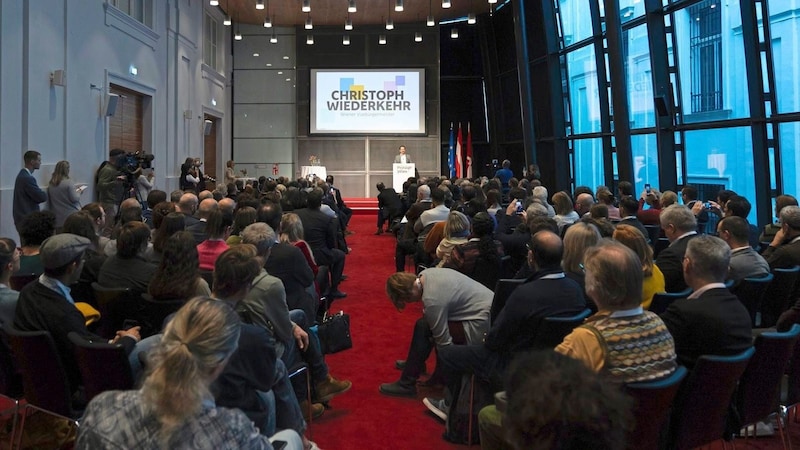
(362, 206)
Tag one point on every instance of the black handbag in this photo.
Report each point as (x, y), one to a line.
(334, 333)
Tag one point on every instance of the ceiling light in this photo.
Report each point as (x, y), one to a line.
(346, 40)
(390, 24)
(227, 21)
(273, 39)
(454, 33)
(309, 25)
(431, 21)
(382, 39)
(351, 6)
(256, 55)
(446, 4)
(348, 23)
(417, 37)
(267, 22)
(238, 35)
(492, 1)
(306, 6)
(259, 4)
(310, 39)
(213, 2)
(398, 5)
(471, 19)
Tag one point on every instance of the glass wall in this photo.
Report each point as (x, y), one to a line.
(589, 162)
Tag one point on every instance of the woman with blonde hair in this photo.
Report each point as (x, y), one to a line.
(565, 211)
(175, 408)
(653, 282)
(63, 197)
(230, 173)
(456, 230)
(579, 237)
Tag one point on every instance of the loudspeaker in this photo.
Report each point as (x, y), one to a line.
(110, 106)
(662, 108)
(207, 124)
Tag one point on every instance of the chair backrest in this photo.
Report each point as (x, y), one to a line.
(653, 233)
(759, 388)
(653, 403)
(44, 379)
(153, 312)
(793, 379)
(103, 366)
(750, 292)
(700, 408)
(10, 381)
(17, 282)
(778, 295)
(115, 305)
(658, 245)
(502, 290)
(553, 330)
(662, 300)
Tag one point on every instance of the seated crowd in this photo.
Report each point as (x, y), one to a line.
(236, 330)
(569, 257)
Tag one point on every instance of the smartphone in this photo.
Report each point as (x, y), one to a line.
(520, 209)
(647, 188)
(707, 205)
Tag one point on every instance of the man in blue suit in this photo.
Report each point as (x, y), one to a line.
(27, 193)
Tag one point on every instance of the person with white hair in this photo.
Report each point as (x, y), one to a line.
(539, 195)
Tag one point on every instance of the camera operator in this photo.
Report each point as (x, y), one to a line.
(201, 178)
(109, 187)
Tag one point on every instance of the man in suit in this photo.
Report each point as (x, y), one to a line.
(27, 193)
(344, 212)
(689, 196)
(628, 208)
(389, 206)
(407, 243)
(745, 262)
(711, 321)
(402, 157)
(320, 232)
(680, 226)
(784, 250)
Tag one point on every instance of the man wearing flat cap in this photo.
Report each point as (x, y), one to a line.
(46, 305)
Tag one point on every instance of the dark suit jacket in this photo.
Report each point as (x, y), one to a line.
(196, 227)
(389, 200)
(27, 196)
(636, 223)
(716, 323)
(320, 232)
(783, 257)
(288, 263)
(670, 261)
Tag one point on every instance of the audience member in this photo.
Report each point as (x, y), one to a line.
(63, 198)
(407, 238)
(770, 229)
(178, 274)
(389, 206)
(144, 184)
(9, 263)
(154, 197)
(448, 297)
(174, 408)
(129, 268)
(579, 238)
(218, 229)
(197, 224)
(689, 196)
(27, 193)
(565, 213)
(745, 262)
(504, 174)
(649, 215)
(680, 227)
(625, 189)
(244, 217)
(109, 188)
(711, 321)
(629, 209)
(653, 279)
(583, 203)
(35, 228)
(539, 195)
(784, 250)
(81, 224)
(605, 197)
(320, 232)
(480, 257)
(455, 232)
(169, 224)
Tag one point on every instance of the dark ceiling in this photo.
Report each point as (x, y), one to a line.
(334, 12)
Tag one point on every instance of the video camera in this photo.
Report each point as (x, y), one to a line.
(132, 161)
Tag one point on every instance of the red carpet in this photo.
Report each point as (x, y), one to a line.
(364, 418)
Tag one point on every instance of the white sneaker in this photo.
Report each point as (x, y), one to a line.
(436, 406)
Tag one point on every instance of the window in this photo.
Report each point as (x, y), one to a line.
(210, 41)
(141, 10)
(706, 56)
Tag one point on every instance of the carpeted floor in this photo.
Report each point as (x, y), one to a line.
(364, 418)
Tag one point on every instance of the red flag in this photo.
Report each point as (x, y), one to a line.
(459, 168)
(469, 152)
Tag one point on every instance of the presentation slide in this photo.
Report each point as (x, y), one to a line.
(367, 101)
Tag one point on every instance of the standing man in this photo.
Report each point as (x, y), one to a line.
(108, 188)
(402, 157)
(27, 193)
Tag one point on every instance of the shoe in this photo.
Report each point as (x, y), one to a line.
(337, 294)
(400, 364)
(317, 409)
(331, 387)
(379, 232)
(312, 446)
(343, 278)
(436, 406)
(397, 389)
(349, 232)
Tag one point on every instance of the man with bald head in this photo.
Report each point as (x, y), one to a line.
(204, 195)
(546, 293)
(583, 203)
(198, 228)
(227, 205)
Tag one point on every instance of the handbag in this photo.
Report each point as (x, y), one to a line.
(334, 333)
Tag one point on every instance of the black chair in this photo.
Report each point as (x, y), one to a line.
(750, 292)
(19, 281)
(662, 300)
(10, 380)
(103, 366)
(553, 330)
(152, 313)
(115, 305)
(701, 405)
(44, 379)
(778, 296)
(502, 290)
(60, 431)
(658, 245)
(653, 233)
(758, 395)
(653, 403)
